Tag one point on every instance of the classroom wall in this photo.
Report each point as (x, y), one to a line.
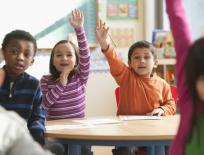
(100, 95)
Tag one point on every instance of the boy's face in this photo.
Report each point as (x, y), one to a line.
(18, 55)
(200, 87)
(64, 57)
(142, 62)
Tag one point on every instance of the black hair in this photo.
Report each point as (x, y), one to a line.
(19, 34)
(194, 66)
(142, 44)
(53, 71)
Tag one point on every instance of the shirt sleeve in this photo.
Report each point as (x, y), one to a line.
(183, 40)
(50, 96)
(36, 121)
(117, 67)
(169, 105)
(84, 55)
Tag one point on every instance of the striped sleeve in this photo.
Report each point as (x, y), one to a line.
(84, 55)
(52, 95)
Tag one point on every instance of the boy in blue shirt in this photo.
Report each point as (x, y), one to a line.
(20, 91)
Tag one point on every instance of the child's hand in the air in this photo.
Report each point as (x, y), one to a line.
(77, 19)
(102, 34)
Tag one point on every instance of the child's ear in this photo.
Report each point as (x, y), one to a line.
(156, 63)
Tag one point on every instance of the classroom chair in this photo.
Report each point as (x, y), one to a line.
(174, 93)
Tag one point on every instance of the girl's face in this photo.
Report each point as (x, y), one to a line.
(200, 87)
(142, 62)
(64, 57)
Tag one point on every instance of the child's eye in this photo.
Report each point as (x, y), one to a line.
(147, 57)
(13, 51)
(136, 57)
(27, 55)
(69, 55)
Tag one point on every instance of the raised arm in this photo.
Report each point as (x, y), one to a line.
(77, 21)
(182, 37)
(183, 40)
(117, 67)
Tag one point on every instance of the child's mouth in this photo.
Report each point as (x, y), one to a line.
(64, 65)
(18, 67)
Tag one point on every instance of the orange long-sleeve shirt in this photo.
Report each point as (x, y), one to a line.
(139, 95)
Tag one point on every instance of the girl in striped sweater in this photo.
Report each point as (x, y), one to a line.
(64, 89)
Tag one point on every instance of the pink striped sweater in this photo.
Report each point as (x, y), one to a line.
(183, 41)
(68, 101)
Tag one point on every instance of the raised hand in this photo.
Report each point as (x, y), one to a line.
(77, 19)
(102, 34)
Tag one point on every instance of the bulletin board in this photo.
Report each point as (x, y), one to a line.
(122, 9)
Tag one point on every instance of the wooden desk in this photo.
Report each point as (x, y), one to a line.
(152, 133)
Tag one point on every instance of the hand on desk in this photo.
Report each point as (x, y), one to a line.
(157, 112)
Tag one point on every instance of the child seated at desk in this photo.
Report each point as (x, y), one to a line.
(141, 90)
(64, 89)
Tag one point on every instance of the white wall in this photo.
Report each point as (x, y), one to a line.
(101, 95)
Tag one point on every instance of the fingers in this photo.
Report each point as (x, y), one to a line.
(76, 13)
(156, 112)
(101, 25)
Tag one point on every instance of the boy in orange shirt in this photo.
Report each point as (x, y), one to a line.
(141, 91)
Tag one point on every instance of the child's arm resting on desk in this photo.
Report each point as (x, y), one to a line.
(36, 121)
(168, 105)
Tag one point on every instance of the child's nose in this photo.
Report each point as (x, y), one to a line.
(142, 60)
(20, 56)
(65, 57)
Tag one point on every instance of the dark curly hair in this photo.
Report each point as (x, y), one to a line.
(18, 34)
